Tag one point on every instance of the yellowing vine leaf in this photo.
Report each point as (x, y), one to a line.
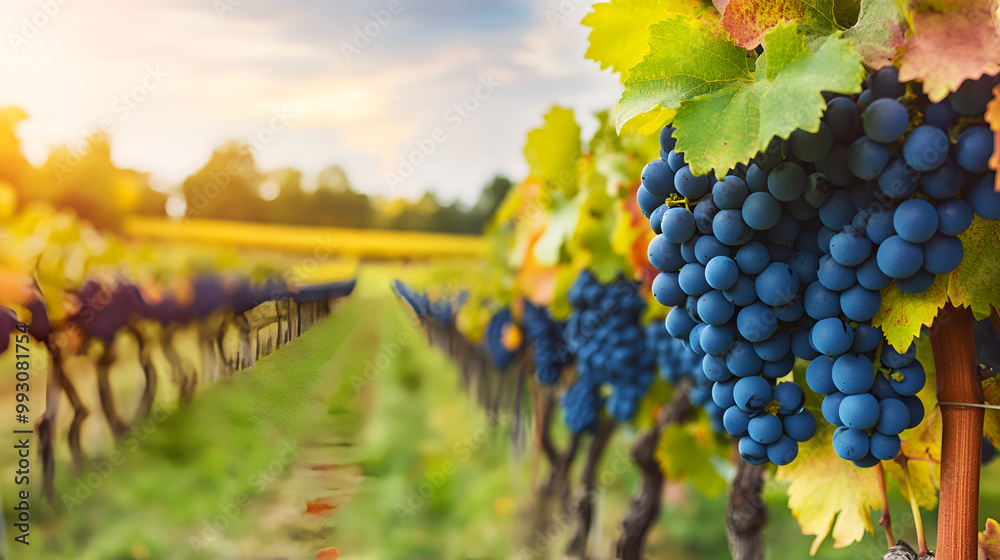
(993, 117)
(902, 315)
(619, 35)
(878, 33)
(945, 48)
(746, 21)
(989, 541)
(732, 123)
(829, 495)
(976, 282)
(552, 150)
(991, 424)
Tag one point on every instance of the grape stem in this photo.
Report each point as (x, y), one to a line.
(914, 507)
(886, 520)
(583, 508)
(746, 513)
(645, 506)
(954, 349)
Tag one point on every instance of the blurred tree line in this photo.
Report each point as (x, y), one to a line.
(230, 186)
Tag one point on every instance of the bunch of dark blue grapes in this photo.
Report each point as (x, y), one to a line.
(550, 351)
(604, 333)
(786, 258)
(676, 362)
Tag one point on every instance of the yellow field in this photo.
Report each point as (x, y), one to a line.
(321, 242)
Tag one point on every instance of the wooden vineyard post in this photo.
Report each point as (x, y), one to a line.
(961, 451)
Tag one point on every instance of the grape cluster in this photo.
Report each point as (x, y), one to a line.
(676, 362)
(502, 352)
(551, 354)
(603, 332)
(786, 258)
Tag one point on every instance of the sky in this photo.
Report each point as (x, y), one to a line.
(405, 95)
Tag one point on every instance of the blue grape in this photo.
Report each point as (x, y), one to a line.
(898, 180)
(792, 311)
(885, 83)
(667, 289)
(678, 225)
(806, 266)
(835, 276)
(843, 118)
(892, 358)
(823, 237)
(729, 193)
(954, 216)
(783, 233)
(783, 451)
(800, 426)
(912, 379)
(667, 140)
(756, 179)
(818, 190)
(916, 408)
(884, 447)
(765, 428)
(721, 273)
(658, 179)
(789, 396)
(942, 254)
(835, 167)
(811, 146)
(717, 340)
(820, 302)
(974, 148)
(944, 182)
(742, 360)
(743, 293)
(752, 394)
(972, 96)
(885, 120)
(859, 412)
(722, 393)
(831, 336)
(690, 185)
(714, 368)
(849, 444)
(879, 224)
(918, 283)
(756, 322)
(838, 211)
(860, 303)
(850, 246)
(940, 115)
(853, 374)
(926, 148)
(692, 280)
(787, 181)
(867, 158)
(752, 452)
(866, 337)
(707, 248)
(656, 219)
(899, 258)
(801, 347)
(752, 258)
(729, 227)
(647, 202)
(983, 199)
(664, 255)
(714, 308)
(893, 417)
(774, 348)
(777, 284)
(704, 214)
(819, 376)
(831, 408)
(736, 421)
(679, 323)
(915, 220)
(780, 368)
(676, 162)
(871, 276)
(761, 211)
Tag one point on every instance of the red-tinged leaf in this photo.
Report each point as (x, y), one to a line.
(331, 553)
(746, 21)
(989, 541)
(878, 33)
(946, 48)
(993, 117)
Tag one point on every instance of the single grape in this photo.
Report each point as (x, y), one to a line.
(714, 309)
(690, 185)
(667, 140)
(790, 398)
(667, 290)
(704, 214)
(756, 322)
(898, 258)
(867, 158)
(729, 193)
(983, 199)
(974, 148)
(893, 417)
(780, 368)
(658, 179)
(783, 451)
(676, 162)
(926, 148)
(916, 408)
(678, 225)
(871, 276)
(885, 83)
(664, 255)
(743, 293)
(800, 426)
(806, 265)
(656, 219)
(729, 227)
(850, 246)
(777, 284)
(831, 336)
(722, 393)
(765, 428)
(717, 340)
(819, 376)
(752, 394)
(752, 258)
(821, 303)
(811, 146)
(859, 412)
(954, 216)
(838, 211)
(850, 444)
(878, 224)
(801, 347)
(692, 280)
(831, 408)
(860, 303)
(940, 115)
(792, 311)
(884, 447)
(761, 211)
(909, 380)
(972, 96)
(885, 120)
(853, 374)
(707, 247)
(915, 220)
(898, 180)
(736, 421)
(679, 323)
(835, 276)
(647, 202)
(752, 452)
(918, 283)
(756, 179)
(721, 272)
(944, 182)
(714, 368)
(843, 118)
(942, 254)
(894, 359)
(787, 181)
(774, 348)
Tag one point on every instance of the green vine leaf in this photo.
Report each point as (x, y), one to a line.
(989, 541)
(902, 315)
(686, 453)
(976, 282)
(878, 33)
(828, 495)
(746, 21)
(619, 35)
(730, 125)
(552, 150)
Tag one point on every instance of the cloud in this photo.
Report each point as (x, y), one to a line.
(226, 76)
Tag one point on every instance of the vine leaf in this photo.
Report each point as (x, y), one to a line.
(975, 284)
(716, 130)
(682, 456)
(991, 424)
(746, 21)
(553, 149)
(830, 496)
(993, 117)
(989, 541)
(878, 33)
(619, 35)
(945, 48)
(902, 315)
